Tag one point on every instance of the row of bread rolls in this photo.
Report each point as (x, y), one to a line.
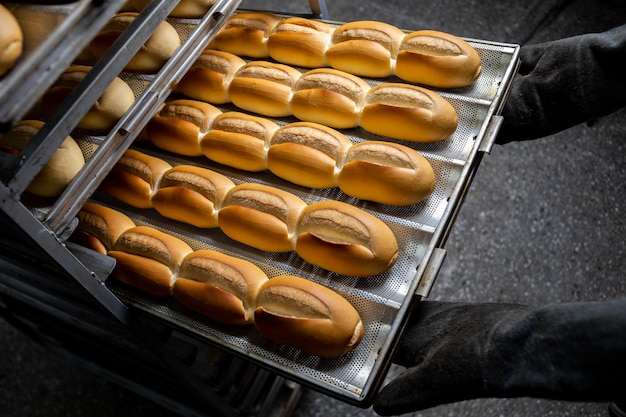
(304, 153)
(229, 290)
(11, 40)
(324, 95)
(333, 235)
(365, 48)
(64, 164)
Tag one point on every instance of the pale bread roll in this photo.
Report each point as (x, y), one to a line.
(261, 216)
(344, 239)
(239, 140)
(408, 112)
(219, 286)
(387, 173)
(180, 125)
(308, 316)
(11, 40)
(300, 42)
(191, 195)
(437, 59)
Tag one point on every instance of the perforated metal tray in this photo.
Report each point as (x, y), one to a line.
(384, 301)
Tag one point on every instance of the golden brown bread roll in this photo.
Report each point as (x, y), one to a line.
(239, 140)
(437, 59)
(114, 102)
(261, 216)
(210, 75)
(308, 316)
(219, 286)
(135, 178)
(344, 239)
(307, 154)
(148, 259)
(300, 42)
(329, 97)
(191, 195)
(158, 48)
(264, 88)
(105, 225)
(180, 125)
(386, 172)
(64, 164)
(11, 40)
(408, 112)
(184, 8)
(246, 33)
(365, 48)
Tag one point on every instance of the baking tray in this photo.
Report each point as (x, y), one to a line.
(384, 301)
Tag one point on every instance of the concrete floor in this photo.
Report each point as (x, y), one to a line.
(543, 222)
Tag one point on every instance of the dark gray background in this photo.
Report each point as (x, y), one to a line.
(543, 222)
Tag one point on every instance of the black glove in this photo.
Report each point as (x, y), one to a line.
(457, 351)
(564, 83)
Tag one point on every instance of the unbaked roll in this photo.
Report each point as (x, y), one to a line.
(239, 140)
(11, 40)
(264, 88)
(307, 316)
(307, 154)
(329, 97)
(114, 102)
(210, 75)
(219, 286)
(261, 216)
(408, 112)
(62, 167)
(387, 173)
(99, 227)
(437, 59)
(344, 239)
(300, 42)
(365, 48)
(180, 125)
(246, 33)
(191, 195)
(184, 8)
(148, 259)
(135, 178)
(155, 52)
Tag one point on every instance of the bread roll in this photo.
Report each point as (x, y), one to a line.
(135, 178)
(386, 173)
(245, 34)
(261, 216)
(344, 239)
(184, 8)
(104, 224)
(191, 195)
(308, 316)
(437, 59)
(264, 88)
(300, 42)
(307, 154)
(329, 97)
(114, 102)
(180, 125)
(11, 40)
(365, 48)
(210, 75)
(148, 259)
(239, 140)
(408, 112)
(155, 52)
(64, 164)
(219, 286)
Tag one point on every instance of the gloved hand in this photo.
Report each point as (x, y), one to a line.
(563, 83)
(458, 351)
